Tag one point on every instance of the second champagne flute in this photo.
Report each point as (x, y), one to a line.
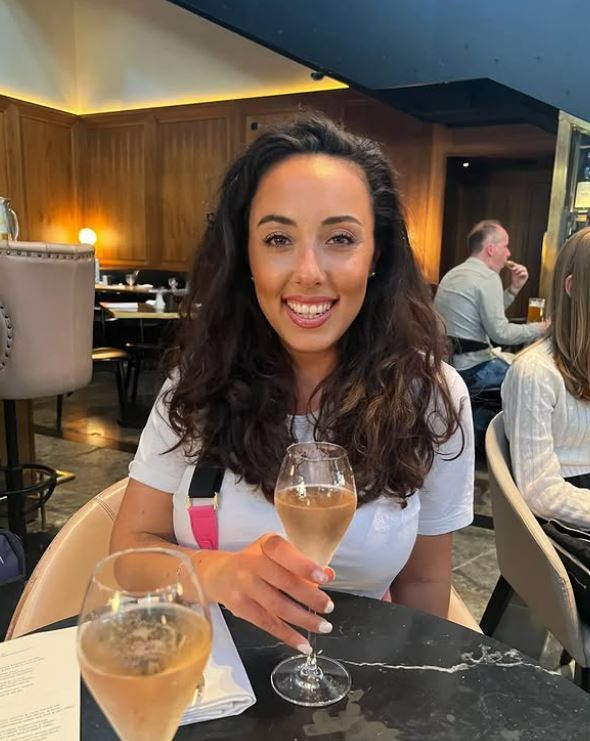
(315, 498)
(144, 637)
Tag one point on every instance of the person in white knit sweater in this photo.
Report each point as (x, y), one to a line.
(546, 398)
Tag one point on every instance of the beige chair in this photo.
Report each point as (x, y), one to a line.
(56, 588)
(459, 612)
(46, 310)
(57, 585)
(528, 561)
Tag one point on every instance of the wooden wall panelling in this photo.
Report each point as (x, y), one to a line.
(113, 187)
(4, 191)
(153, 212)
(409, 144)
(258, 113)
(48, 178)
(14, 166)
(76, 145)
(435, 201)
(508, 140)
(36, 169)
(194, 151)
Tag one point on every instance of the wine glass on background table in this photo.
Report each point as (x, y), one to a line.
(144, 637)
(315, 498)
(130, 278)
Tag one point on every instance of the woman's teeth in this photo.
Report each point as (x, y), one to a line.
(309, 310)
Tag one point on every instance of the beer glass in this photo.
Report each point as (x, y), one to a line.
(536, 310)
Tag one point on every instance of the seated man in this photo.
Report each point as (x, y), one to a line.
(472, 304)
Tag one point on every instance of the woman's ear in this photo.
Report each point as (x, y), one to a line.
(568, 284)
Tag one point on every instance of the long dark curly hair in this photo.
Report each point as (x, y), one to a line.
(386, 401)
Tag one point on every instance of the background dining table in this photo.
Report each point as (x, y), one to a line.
(142, 311)
(414, 677)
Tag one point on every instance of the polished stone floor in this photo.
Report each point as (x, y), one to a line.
(97, 450)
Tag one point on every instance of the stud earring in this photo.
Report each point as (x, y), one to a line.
(252, 278)
(372, 274)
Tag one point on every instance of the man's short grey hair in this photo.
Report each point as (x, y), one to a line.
(482, 232)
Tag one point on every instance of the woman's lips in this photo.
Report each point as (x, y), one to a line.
(310, 321)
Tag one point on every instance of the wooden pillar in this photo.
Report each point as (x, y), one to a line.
(25, 432)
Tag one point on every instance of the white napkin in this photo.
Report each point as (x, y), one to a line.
(123, 306)
(227, 688)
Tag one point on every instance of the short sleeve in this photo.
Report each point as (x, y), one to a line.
(155, 464)
(446, 498)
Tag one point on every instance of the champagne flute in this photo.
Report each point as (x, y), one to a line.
(144, 637)
(315, 498)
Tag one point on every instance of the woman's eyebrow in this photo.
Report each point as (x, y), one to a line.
(339, 219)
(289, 222)
(279, 219)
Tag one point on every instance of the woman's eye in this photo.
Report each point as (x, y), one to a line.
(342, 239)
(276, 240)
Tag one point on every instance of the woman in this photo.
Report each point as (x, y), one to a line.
(314, 323)
(546, 398)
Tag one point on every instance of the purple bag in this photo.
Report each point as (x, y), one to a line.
(12, 558)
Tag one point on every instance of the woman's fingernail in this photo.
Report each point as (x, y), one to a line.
(319, 576)
(304, 648)
(325, 627)
(329, 608)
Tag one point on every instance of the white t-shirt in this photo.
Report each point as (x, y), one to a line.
(381, 535)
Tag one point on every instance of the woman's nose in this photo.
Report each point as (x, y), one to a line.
(308, 267)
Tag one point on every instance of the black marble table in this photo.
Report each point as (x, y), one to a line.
(414, 677)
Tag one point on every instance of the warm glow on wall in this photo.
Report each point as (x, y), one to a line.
(87, 236)
(37, 100)
(297, 88)
(313, 86)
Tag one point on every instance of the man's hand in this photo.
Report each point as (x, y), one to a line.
(519, 276)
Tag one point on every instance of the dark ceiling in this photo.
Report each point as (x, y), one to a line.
(456, 62)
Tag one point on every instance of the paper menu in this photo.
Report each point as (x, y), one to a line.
(40, 688)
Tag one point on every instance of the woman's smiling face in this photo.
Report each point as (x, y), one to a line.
(311, 249)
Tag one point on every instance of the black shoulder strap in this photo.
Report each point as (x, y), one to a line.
(205, 482)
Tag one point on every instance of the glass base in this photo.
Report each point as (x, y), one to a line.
(293, 681)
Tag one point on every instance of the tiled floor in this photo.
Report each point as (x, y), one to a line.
(97, 450)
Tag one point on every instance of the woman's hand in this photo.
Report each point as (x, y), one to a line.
(263, 584)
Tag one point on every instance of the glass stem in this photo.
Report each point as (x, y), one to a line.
(311, 668)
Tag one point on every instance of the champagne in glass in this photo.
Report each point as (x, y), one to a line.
(144, 638)
(316, 522)
(315, 498)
